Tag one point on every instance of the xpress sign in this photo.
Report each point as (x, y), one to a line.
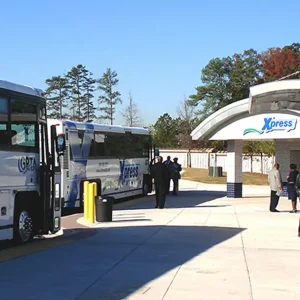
(271, 124)
(128, 172)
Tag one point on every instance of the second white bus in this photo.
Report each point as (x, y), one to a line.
(115, 157)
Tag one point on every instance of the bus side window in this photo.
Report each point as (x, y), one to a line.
(75, 142)
(4, 135)
(92, 152)
(146, 145)
(24, 128)
(21, 111)
(24, 135)
(140, 145)
(80, 137)
(115, 145)
(99, 140)
(136, 146)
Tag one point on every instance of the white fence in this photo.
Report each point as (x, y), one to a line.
(203, 159)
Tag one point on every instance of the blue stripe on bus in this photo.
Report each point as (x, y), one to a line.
(80, 158)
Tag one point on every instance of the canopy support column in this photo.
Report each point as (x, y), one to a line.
(234, 169)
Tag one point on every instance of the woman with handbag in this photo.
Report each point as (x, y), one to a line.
(291, 187)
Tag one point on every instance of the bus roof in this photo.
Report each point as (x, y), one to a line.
(69, 124)
(24, 89)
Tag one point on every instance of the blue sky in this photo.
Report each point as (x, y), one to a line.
(158, 48)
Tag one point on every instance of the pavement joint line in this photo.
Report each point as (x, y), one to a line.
(175, 275)
(205, 222)
(244, 254)
(126, 256)
(169, 286)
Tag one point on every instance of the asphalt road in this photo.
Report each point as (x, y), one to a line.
(71, 231)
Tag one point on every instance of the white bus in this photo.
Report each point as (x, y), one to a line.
(30, 201)
(115, 157)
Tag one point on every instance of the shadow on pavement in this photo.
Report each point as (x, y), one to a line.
(256, 196)
(184, 199)
(112, 264)
(116, 220)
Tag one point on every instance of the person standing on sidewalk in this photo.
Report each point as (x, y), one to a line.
(170, 166)
(275, 182)
(297, 187)
(177, 176)
(160, 174)
(291, 187)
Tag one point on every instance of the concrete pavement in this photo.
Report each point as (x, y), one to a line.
(201, 246)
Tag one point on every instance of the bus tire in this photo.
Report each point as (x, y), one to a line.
(23, 225)
(146, 187)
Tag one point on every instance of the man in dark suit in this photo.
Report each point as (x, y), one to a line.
(161, 177)
(176, 176)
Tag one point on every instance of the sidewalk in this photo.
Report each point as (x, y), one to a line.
(201, 246)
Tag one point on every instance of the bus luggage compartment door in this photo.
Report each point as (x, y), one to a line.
(6, 229)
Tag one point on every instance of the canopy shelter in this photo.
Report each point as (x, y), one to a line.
(226, 115)
(272, 112)
(274, 96)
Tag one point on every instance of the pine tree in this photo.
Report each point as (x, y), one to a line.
(57, 96)
(88, 105)
(186, 113)
(130, 114)
(110, 98)
(78, 90)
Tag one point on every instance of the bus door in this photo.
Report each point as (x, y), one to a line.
(57, 148)
(44, 178)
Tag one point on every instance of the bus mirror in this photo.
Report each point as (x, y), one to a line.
(61, 143)
(156, 152)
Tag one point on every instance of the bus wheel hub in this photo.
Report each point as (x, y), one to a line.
(25, 226)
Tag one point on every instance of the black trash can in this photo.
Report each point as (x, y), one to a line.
(104, 208)
(215, 171)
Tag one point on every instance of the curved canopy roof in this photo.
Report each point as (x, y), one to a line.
(263, 98)
(211, 124)
(274, 96)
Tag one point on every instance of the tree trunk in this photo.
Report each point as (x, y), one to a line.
(111, 114)
(88, 107)
(60, 105)
(130, 112)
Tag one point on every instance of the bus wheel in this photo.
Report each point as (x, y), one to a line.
(146, 188)
(23, 230)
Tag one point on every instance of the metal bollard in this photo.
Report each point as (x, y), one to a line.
(85, 200)
(91, 206)
(95, 194)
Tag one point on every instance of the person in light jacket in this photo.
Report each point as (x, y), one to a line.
(275, 182)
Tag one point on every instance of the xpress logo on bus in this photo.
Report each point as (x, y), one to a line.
(128, 171)
(271, 124)
(26, 163)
